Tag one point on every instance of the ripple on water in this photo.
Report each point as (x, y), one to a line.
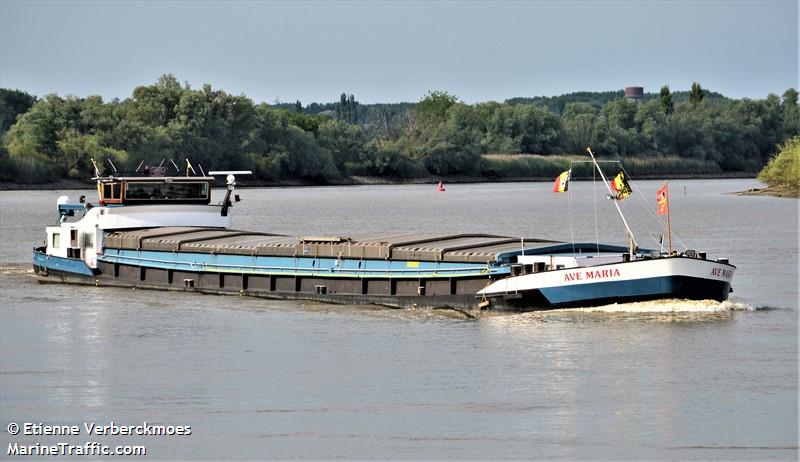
(16, 268)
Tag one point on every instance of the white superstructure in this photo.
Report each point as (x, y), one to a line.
(135, 202)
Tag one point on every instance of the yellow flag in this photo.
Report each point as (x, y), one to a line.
(620, 186)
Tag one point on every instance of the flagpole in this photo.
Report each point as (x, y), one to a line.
(632, 240)
(669, 225)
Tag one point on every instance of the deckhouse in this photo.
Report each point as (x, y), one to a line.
(133, 202)
(155, 190)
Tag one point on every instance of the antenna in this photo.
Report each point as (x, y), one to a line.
(201, 170)
(140, 166)
(175, 165)
(112, 164)
(231, 179)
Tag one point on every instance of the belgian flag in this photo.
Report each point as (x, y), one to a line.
(620, 186)
(562, 182)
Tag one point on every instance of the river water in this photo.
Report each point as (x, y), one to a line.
(270, 379)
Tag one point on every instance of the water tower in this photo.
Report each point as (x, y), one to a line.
(634, 93)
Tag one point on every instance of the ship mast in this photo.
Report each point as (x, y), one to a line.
(632, 246)
(231, 184)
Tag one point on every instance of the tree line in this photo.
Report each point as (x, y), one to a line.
(690, 132)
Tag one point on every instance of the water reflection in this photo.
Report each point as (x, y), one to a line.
(75, 334)
(624, 362)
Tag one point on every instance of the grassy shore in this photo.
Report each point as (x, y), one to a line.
(537, 166)
(777, 191)
(495, 168)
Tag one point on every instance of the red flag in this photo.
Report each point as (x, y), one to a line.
(662, 197)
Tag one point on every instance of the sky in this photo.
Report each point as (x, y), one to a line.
(383, 51)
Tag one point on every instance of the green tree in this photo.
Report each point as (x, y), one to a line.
(77, 150)
(309, 123)
(579, 126)
(344, 141)
(791, 113)
(432, 108)
(347, 109)
(37, 133)
(696, 95)
(278, 150)
(539, 130)
(621, 113)
(651, 123)
(790, 97)
(387, 159)
(450, 148)
(666, 100)
(784, 168)
(12, 104)
(687, 136)
(156, 104)
(341, 108)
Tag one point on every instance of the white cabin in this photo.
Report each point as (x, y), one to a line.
(134, 202)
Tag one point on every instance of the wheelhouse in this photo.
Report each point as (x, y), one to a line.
(155, 190)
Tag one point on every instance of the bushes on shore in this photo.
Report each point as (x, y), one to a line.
(783, 170)
(56, 137)
(524, 166)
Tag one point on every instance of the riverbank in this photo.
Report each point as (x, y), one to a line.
(52, 186)
(244, 182)
(776, 191)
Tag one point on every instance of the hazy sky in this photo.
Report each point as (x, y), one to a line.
(397, 51)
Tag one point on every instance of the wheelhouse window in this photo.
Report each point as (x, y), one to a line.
(56, 241)
(166, 191)
(112, 192)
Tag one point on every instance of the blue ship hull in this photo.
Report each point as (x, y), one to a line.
(453, 287)
(604, 293)
(43, 264)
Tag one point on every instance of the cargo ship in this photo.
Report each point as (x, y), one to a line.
(164, 232)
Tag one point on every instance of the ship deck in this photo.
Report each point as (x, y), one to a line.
(461, 248)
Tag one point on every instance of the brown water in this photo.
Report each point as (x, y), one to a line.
(268, 379)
